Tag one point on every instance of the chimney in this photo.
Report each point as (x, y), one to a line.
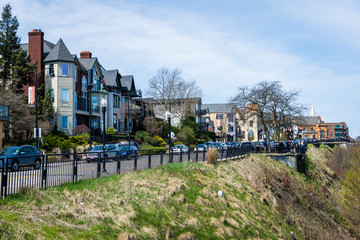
(36, 49)
(85, 54)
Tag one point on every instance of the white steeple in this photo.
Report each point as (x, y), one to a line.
(312, 113)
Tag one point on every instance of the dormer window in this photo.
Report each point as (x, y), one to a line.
(65, 69)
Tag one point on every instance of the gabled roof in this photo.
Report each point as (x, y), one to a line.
(111, 77)
(88, 63)
(128, 82)
(47, 47)
(307, 121)
(219, 107)
(59, 53)
(77, 62)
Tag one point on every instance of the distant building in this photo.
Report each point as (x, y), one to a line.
(222, 117)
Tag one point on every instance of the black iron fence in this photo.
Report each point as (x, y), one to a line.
(56, 169)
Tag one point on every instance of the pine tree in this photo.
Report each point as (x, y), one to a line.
(14, 61)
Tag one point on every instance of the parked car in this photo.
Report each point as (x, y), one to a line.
(123, 143)
(200, 148)
(245, 144)
(19, 156)
(126, 152)
(96, 151)
(180, 149)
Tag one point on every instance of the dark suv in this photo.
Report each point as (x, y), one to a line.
(19, 156)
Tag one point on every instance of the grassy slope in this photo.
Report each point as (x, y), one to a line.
(263, 199)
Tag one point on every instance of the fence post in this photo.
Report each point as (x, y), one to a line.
(204, 156)
(4, 178)
(98, 166)
(197, 156)
(73, 157)
(44, 172)
(118, 159)
(222, 153)
(180, 154)
(135, 160)
(170, 155)
(189, 155)
(161, 157)
(149, 159)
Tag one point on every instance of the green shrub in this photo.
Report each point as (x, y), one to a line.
(141, 134)
(162, 144)
(154, 150)
(178, 143)
(66, 145)
(148, 139)
(155, 142)
(85, 137)
(111, 131)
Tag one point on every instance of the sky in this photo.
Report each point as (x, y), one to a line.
(310, 45)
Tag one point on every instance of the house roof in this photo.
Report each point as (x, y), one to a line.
(128, 82)
(307, 121)
(110, 76)
(59, 53)
(219, 107)
(88, 63)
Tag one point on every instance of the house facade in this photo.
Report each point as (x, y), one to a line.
(77, 86)
(223, 121)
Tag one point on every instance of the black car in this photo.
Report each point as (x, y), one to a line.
(17, 156)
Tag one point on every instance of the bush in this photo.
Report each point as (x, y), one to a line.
(66, 146)
(154, 150)
(148, 139)
(80, 129)
(155, 142)
(85, 137)
(178, 143)
(141, 134)
(111, 131)
(212, 155)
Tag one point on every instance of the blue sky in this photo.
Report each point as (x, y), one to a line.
(308, 45)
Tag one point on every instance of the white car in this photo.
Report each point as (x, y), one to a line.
(180, 149)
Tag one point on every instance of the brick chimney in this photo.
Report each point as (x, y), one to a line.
(36, 49)
(85, 54)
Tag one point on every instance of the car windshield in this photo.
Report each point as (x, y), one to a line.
(98, 148)
(10, 150)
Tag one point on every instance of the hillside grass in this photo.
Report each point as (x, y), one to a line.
(263, 199)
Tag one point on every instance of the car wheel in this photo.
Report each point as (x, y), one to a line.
(37, 164)
(15, 165)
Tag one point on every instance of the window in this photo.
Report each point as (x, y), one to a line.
(219, 116)
(64, 95)
(65, 69)
(64, 121)
(75, 74)
(52, 94)
(83, 82)
(115, 121)
(251, 123)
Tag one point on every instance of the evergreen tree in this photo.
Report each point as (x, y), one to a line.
(14, 61)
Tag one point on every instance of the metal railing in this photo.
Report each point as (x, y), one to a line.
(56, 169)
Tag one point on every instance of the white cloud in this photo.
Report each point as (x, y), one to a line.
(138, 39)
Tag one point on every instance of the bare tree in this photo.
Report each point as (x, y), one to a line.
(168, 87)
(270, 104)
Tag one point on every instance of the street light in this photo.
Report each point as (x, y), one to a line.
(207, 130)
(51, 74)
(103, 108)
(168, 115)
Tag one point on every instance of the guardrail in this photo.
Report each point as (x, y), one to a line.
(56, 169)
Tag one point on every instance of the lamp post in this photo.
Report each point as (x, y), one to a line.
(207, 130)
(169, 121)
(128, 120)
(51, 74)
(103, 108)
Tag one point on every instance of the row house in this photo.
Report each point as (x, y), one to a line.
(223, 121)
(179, 108)
(78, 85)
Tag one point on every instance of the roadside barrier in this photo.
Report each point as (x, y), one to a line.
(57, 169)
